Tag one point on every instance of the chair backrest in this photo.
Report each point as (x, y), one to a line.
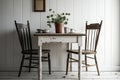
(92, 35)
(23, 31)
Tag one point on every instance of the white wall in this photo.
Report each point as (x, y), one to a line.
(81, 10)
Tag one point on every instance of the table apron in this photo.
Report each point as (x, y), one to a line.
(63, 39)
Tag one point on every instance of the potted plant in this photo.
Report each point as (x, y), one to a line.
(58, 19)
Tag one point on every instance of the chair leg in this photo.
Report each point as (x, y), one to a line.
(86, 62)
(79, 68)
(49, 63)
(96, 64)
(30, 60)
(67, 63)
(38, 69)
(20, 69)
(71, 63)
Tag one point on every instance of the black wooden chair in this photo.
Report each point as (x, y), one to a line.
(28, 53)
(91, 41)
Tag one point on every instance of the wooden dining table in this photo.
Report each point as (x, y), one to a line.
(59, 37)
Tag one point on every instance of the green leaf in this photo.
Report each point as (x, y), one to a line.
(49, 25)
(64, 17)
(62, 13)
(53, 19)
(48, 16)
(53, 11)
(51, 15)
(48, 21)
(65, 23)
(67, 13)
(50, 9)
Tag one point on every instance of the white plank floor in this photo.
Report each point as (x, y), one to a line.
(60, 76)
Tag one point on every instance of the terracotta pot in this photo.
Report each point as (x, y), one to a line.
(58, 27)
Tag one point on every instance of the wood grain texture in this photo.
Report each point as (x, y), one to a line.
(59, 34)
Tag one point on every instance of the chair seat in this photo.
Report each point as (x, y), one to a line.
(83, 51)
(88, 52)
(35, 51)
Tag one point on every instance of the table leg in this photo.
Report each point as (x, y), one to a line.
(79, 41)
(79, 64)
(40, 63)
